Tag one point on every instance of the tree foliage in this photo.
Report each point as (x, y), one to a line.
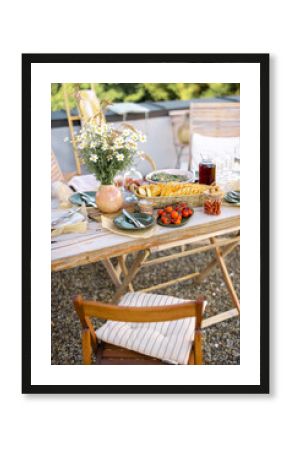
(142, 92)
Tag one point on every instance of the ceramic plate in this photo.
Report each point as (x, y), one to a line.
(75, 199)
(233, 197)
(124, 224)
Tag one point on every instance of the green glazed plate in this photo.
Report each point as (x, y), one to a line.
(124, 224)
(75, 199)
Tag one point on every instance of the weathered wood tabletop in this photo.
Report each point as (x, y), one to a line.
(98, 244)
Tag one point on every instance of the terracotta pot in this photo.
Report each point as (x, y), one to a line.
(109, 198)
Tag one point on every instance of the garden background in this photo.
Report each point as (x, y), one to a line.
(143, 92)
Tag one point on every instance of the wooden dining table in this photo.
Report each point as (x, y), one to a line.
(201, 233)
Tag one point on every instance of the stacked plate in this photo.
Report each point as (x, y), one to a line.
(233, 197)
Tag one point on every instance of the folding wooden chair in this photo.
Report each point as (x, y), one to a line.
(214, 127)
(56, 173)
(88, 105)
(181, 136)
(142, 329)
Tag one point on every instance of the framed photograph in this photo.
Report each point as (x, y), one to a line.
(153, 171)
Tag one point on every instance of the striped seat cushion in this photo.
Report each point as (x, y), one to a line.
(168, 341)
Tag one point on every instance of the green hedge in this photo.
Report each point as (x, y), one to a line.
(141, 92)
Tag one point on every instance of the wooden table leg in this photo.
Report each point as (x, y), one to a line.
(204, 273)
(113, 274)
(124, 269)
(132, 271)
(226, 276)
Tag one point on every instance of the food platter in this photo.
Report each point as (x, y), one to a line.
(170, 175)
(173, 225)
(174, 216)
(164, 194)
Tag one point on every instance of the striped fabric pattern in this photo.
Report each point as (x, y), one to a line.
(169, 341)
(56, 173)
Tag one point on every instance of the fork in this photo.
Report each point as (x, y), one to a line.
(135, 221)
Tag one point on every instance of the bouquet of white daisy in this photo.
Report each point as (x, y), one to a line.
(106, 150)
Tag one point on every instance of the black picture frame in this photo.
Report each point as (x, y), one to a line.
(263, 61)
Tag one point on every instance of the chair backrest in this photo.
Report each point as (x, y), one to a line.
(90, 308)
(214, 129)
(180, 127)
(149, 159)
(118, 313)
(56, 173)
(89, 105)
(215, 119)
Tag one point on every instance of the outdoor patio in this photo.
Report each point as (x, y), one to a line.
(221, 341)
(97, 263)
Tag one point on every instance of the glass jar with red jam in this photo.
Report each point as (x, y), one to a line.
(207, 172)
(213, 201)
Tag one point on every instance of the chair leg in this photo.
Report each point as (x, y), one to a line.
(191, 359)
(198, 356)
(86, 346)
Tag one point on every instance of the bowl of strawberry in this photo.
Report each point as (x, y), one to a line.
(174, 216)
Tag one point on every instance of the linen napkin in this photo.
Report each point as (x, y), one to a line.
(77, 223)
(82, 183)
(108, 224)
(80, 227)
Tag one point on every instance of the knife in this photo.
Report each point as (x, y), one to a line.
(136, 222)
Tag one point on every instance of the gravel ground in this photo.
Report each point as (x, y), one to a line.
(221, 342)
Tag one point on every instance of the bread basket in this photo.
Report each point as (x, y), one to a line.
(160, 201)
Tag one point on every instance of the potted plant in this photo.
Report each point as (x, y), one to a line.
(106, 151)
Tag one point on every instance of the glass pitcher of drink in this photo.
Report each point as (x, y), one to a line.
(207, 172)
(132, 176)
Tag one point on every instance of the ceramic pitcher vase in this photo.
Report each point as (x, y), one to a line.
(109, 198)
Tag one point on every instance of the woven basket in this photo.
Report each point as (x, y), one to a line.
(192, 201)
